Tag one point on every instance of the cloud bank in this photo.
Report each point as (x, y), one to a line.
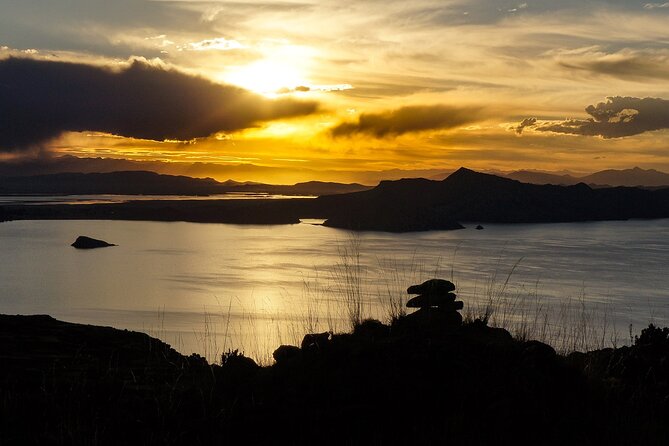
(408, 119)
(39, 100)
(616, 118)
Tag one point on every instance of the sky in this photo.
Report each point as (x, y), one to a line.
(283, 91)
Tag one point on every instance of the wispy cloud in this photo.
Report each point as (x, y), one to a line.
(628, 64)
(217, 44)
(656, 5)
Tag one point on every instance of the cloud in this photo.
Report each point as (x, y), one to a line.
(527, 122)
(656, 5)
(627, 64)
(408, 119)
(616, 118)
(217, 44)
(39, 100)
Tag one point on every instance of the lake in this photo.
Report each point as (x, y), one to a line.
(207, 288)
(115, 198)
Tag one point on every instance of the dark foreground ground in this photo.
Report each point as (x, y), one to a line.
(70, 384)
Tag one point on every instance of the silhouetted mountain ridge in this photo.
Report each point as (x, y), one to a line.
(469, 196)
(138, 182)
(635, 177)
(397, 206)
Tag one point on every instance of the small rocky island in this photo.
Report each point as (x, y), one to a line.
(83, 242)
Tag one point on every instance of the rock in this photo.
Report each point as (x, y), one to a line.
(286, 352)
(490, 335)
(315, 341)
(236, 362)
(433, 300)
(372, 329)
(538, 349)
(432, 286)
(435, 318)
(83, 242)
(479, 227)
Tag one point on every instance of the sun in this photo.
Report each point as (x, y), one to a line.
(267, 77)
(283, 66)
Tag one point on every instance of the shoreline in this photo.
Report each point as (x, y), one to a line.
(245, 212)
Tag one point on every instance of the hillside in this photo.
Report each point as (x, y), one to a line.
(468, 196)
(66, 383)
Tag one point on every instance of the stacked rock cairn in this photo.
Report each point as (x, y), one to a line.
(436, 303)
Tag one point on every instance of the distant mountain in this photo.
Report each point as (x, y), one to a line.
(275, 174)
(398, 206)
(468, 196)
(537, 177)
(151, 183)
(628, 177)
(635, 177)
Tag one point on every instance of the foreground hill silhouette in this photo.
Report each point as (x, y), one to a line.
(397, 206)
(73, 384)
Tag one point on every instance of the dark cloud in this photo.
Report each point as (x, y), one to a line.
(616, 118)
(628, 65)
(527, 122)
(39, 100)
(408, 119)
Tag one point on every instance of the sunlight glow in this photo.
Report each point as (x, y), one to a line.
(266, 77)
(284, 67)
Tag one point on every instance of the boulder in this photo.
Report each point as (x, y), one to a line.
(432, 286)
(479, 227)
(434, 300)
(372, 330)
(435, 318)
(286, 352)
(83, 242)
(315, 341)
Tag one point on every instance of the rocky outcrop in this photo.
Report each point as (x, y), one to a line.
(65, 383)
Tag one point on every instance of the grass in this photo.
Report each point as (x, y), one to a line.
(348, 279)
(356, 288)
(568, 324)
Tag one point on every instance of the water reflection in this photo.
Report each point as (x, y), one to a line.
(209, 287)
(116, 198)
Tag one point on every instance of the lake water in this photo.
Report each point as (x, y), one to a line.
(207, 288)
(115, 198)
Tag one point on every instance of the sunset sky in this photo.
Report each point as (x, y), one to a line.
(337, 90)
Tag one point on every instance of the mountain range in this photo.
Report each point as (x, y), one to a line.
(417, 204)
(151, 183)
(636, 177)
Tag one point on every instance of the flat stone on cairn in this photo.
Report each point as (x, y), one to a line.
(432, 286)
(436, 303)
